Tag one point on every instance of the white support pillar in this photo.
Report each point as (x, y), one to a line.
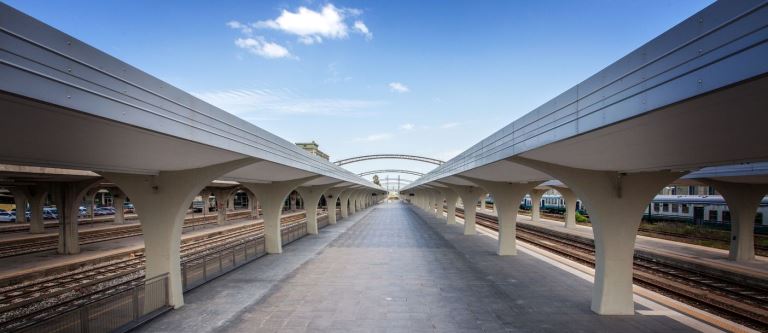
(332, 195)
(616, 204)
(469, 195)
(311, 197)
(743, 201)
(506, 198)
(37, 196)
(356, 201)
(536, 195)
(450, 202)
(20, 196)
(344, 202)
(353, 202)
(223, 198)
(570, 205)
(272, 197)
(440, 200)
(292, 201)
(162, 201)
(118, 200)
(68, 197)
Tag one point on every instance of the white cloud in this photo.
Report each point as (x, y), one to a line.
(253, 104)
(399, 87)
(363, 29)
(261, 47)
(407, 126)
(449, 125)
(244, 28)
(312, 26)
(375, 137)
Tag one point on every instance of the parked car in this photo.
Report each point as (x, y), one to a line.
(102, 211)
(128, 208)
(7, 217)
(50, 213)
(27, 214)
(82, 212)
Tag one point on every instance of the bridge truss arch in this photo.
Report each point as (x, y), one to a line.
(373, 172)
(389, 156)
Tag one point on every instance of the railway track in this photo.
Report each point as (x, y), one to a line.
(759, 249)
(33, 301)
(674, 236)
(740, 303)
(50, 242)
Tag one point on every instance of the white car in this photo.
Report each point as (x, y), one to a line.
(7, 217)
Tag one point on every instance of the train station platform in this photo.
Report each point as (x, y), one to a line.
(695, 254)
(392, 268)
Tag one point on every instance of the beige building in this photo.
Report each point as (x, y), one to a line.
(312, 148)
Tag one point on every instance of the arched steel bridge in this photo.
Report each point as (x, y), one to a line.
(389, 156)
(373, 172)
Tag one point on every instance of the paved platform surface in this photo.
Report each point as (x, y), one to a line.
(700, 254)
(396, 270)
(218, 305)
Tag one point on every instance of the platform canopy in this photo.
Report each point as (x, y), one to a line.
(691, 98)
(69, 105)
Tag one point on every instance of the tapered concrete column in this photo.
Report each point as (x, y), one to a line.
(506, 198)
(292, 201)
(356, 201)
(536, 195)
(331, 197)
(253, 206)
(231, 201)
(272, 198)
(344, 202)
(162, 201)
(570, 205)
(68, 197)
(206, 196)
(20, 196)
(469, 195)
(353, 202)
(450, 202)
(311, 196)
(37, 196)
(118, 200)
(616, 204)
(223, 197)
(440, 196)
(743, 201)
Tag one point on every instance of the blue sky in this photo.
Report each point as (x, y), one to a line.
(418, 77)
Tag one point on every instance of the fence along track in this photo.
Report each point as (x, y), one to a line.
(31, 303)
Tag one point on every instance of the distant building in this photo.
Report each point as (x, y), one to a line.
(311, 147)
